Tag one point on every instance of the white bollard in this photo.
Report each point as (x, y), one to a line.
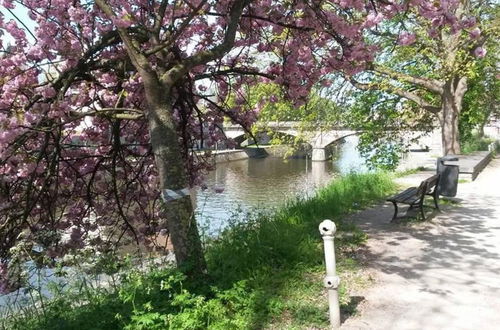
(327, 229)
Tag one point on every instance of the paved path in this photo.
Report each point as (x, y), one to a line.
(442, 274)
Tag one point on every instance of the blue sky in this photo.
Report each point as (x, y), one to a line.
(22, 14)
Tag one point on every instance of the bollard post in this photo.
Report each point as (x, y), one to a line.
(327, 229)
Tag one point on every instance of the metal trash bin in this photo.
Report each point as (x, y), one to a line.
(448, 175)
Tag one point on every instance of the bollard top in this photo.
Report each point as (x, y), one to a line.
(327, 228)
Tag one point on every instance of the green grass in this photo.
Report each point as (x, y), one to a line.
(449, 201)
(264, 273)
(403, 173)
(475, 143)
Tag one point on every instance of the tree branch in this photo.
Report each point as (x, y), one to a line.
(461, 87)
(171, 39)
(393, 90)
(241, 71)
(428, 83)
(218, 51)
(138, 59)
(111, 113)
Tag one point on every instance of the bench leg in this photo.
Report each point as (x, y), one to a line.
(395, 211)
(422, 211)
(436, 203)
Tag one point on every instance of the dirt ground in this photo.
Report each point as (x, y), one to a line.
(440, 274)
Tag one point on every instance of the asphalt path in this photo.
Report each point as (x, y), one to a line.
(440, 274)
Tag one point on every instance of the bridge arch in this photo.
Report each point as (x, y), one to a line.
(331, 139)
(241, 136)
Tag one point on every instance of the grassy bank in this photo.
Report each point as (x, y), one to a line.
(476, 143)
(265, 273)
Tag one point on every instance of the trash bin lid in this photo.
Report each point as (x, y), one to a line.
(449, 158)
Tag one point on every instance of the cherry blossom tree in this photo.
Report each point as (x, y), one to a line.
(102, 101)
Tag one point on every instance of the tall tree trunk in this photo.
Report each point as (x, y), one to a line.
(180, 219)
(451, 106)
(449, 129)
(164, 140)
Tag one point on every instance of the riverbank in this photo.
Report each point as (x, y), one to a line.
(281, 151)
(264, 273)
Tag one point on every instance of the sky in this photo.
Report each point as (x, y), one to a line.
(22, 15)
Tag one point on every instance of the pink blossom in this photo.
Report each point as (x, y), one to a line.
(406, 38)
(373, 19)
(48, 92)
(480, 52)
(219, 189)
(475, 33)
(8, 4)
(469, 22)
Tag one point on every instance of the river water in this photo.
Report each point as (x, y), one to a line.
(264, 183)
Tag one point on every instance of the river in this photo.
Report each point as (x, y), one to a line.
(264, 183)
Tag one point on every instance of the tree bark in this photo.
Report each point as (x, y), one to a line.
(180, 219)
(451, 106)
(449, 130)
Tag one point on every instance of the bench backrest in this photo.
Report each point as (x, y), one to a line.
(427, 185)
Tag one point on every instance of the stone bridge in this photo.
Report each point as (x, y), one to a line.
(318, 139)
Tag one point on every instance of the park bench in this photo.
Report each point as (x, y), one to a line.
(415, 196)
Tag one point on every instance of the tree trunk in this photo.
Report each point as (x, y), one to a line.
(168, 154)
(180, 219)
(449, 130)
(451, 106)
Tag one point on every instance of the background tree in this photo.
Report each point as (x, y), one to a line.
(481, 102)
(382, 118)
(315, 112)
(427, 56)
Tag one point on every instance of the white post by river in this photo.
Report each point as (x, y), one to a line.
(327, 229)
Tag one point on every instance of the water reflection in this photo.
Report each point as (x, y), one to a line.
(268, 182)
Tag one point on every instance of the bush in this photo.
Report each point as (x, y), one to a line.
(476, 143)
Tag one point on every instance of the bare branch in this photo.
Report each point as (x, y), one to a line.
(241, 71)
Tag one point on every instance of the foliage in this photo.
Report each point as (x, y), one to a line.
(382, 118)
(481, 99)
(476, 143)
(274, 106)
(265, 272)
(277, 107)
